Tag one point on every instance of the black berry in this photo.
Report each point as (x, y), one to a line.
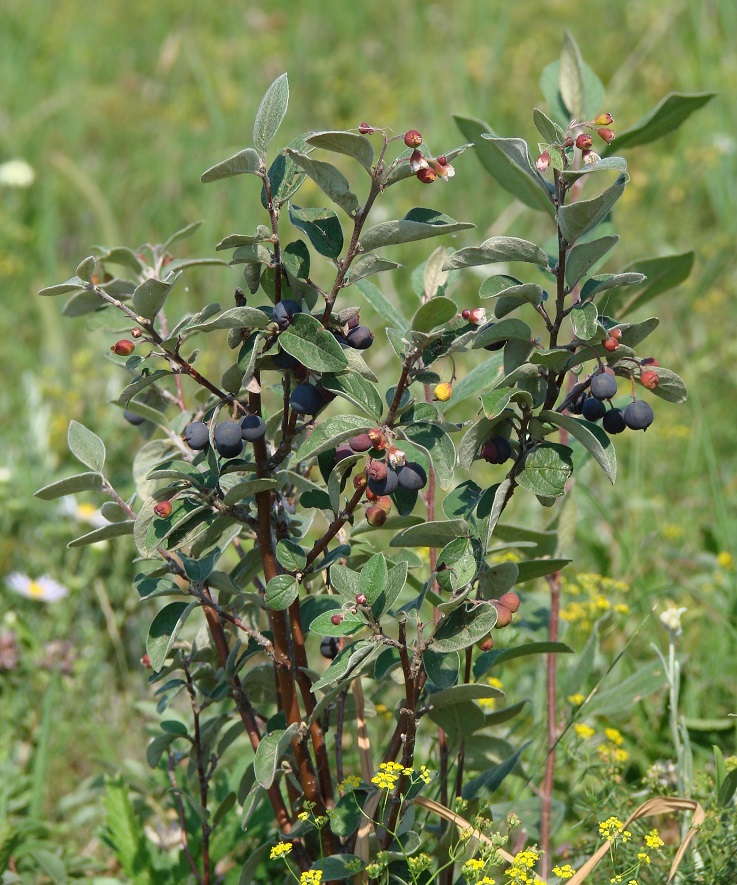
(614, 421)
(361, 338)
(329, 647)
(593, 409)
(306, 399)
(360, 443)
(284, 311)
(638, 415)
(133, 418)
(603, 386)
(228, 439)
(497, 450)
(197, 435)
(384, 486)
(342, 452)
(412, 476)
(252, 428)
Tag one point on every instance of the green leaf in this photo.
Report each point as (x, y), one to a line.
(438, 445)
(538, 568)
(164, 630)
(348, 661)
(82, 482)
(270, 113)
(72, 285)
(604, 281)
(459, 693)
(584, 319)
(571, 83)
(592, 437)
(323, 625)
(456, 565)
(351, 144)
(291, 556)
(373, 577)
(549, 130)
(244, 161)
(312, 345)
(356, 390)
(234, 318)
(593, 93)
(491, 779)
(329, 179)
(508, 161)
(459, 720)
(479, 379)
(182, 234)
(104, 533)
(663, 273)
(515, 296)
(127, 257)
(464, 626)
(339, 867)
(281, 592)
(367, 265)
(546, 470)
(430, 534)
(433, 313)
(495, 402)
(583, 257)
(382, 305)
(149, 297)
(123, 832)
(502, 331)
(442, 670)
(670, 386)
(490, 659)
(86, 446)
(417, 224)
(608, 164)
(321, 226)
(497, 249)
(579, 218)
(647, 679)
(330, 433)
(395, 582)
(270, 751)
(247, 489)
(665, 117)
(727, 789)
(462, 500)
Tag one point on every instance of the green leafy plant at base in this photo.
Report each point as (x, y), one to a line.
(282, 508)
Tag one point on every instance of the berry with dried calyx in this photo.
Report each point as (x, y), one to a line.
(378, 440)
(611, 344)
(329, 647)
(253, 427)
(336, 619)
(284, 311)
(603, 385)
(593, 409)
(590, 157)
(412, 476)
(427, 175)
(615, 333)
(606, 134)
(306, 399)
(511, 601)
(497, 450)
(412, 138)
(360, 443)
(543, 161)
(197, 435)
(638, 415)
(375, 516)
(504, 614)
(650, 361)
(228, 438)
(443, 391)
(377, 470)
(476, 315)
(584, 141)
(361, 599)
(163, 509)
(124, 347)
(649, 379)
(487, 644)
(366, 129)
(604, 119)
(383, 501)
(133, 418)
(136, 333)
(384, 486)
(359, 481)
(613, 422)
(360, 338)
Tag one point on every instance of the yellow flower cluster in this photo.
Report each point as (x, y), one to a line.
(488, 703)
(564, 872)
(643, 857)
(486, 880)
(425, 775)
(653, 840)
(519, 871)
(592, 597)
(349, 783)
(585, 732)
(725, 560)
(281, 849)
(576, 699)
(507, 556)
(419, 863)
(388, 774)
(470, 867)
(311, 877)
(613, 828)
(614, 736)
(612, 755)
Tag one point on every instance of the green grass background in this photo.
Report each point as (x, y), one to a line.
(119, 107)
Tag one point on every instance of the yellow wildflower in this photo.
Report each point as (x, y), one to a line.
(349, 783)
(564, 872)
(487, 880)
(311, 877)
(584, 731)
(303, 815)
(643, 857)
(614, 735)
(281, 849)
(725, 560)
(576, 699)
(653, 840)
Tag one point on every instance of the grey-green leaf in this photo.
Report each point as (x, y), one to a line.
(269, 753)
(164, 631)
(663, 272)
(312, 345)
(430, 534)
(328, 179)
(417, 224)
(584, 318)
(595, 440)
(281, 591)
(352, 144)
(433, 313)
(546, 470)
(357, 390)
(270, 113)
(82, 482)
(329, 433)
(438, 445)
(571, 83)
(367, 265)
(382, 305)
(579, 218)
(497, 249)
(104, 533)
(149, 297)
(583, 257)
(72, 285)
(664, 118)
(244, 161)
(464, 626)
(86, 446)
(479, 379)
(321, 226)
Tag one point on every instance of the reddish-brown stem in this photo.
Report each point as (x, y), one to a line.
(202, 777)
(170, 768)
(402, 385)
(335, 526)
(462, 747)
(546, 788)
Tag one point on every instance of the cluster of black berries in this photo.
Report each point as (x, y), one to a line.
(358, 336)
(496, 450)
(637, 415)
(228, 436)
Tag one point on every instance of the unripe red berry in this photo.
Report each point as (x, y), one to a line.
(377, 470)
(611, 344)
(336, 619)
(372, 496)
(146, 661)
(124, 347)
(511, 601)
(615, 333)
(361, 599)
(426, 176)
(650, 361)
(606, 134)
(365, 129)
(375, 516)
(378, 440)
(163, 509)
(359, 481)
(604, 119)
(584, 141)
(504, 615)
(385, 502)
(412, 138)
(136, 333)
(487, 644)
(543, 161)
(649, 379)
(466, 313)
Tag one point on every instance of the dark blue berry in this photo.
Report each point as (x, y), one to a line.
(603, 386)
(133, 418)
(197, 435)
(412, 476)
(361, 338)
(638, 415)
(593, 409)
(614, 421)
(228, 439)
(306, 399)
(252, 428)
